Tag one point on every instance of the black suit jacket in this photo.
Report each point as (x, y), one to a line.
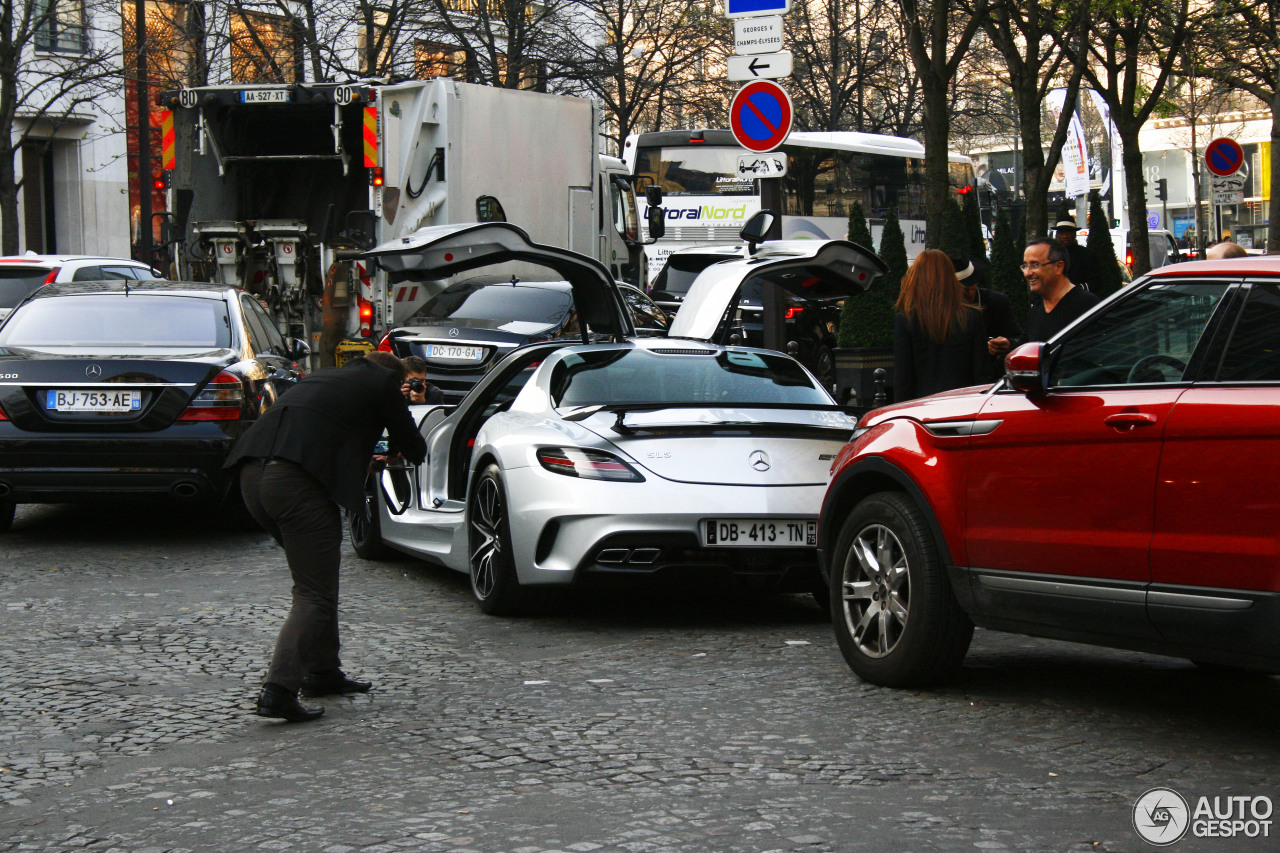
(329, 423)
(997, 316)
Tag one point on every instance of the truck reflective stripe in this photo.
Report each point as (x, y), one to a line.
(168, 150)
(370, 137)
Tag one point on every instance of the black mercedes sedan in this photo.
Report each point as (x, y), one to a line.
(132, 389)
(470, 326)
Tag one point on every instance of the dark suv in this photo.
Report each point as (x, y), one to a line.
(811, 323)
(1118, 487)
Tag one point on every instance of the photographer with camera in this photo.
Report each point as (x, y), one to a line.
(416, 389)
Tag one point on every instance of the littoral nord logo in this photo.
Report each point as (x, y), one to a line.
(1161, 816)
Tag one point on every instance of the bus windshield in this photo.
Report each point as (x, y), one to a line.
(688, 170)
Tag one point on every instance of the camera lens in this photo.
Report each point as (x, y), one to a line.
(417, 386)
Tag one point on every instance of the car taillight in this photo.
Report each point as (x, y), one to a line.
(587, 464)
(365, 307)
(384, 345)
(793, 312)
(53, 274)
(3, 415)
(220, 400)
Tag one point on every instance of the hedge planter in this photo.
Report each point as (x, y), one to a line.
(855, 374)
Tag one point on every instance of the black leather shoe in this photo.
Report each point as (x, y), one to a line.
(332, 682)
(276, 701)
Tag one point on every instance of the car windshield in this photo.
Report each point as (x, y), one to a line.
(504, 302)
(117, 320)
(16, 283)
(729, 377)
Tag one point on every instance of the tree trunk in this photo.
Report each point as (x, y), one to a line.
(1034, 183)
(937, 184)
(1135, 184)
(8, 198)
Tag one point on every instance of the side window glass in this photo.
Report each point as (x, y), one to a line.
(1147, 338)
(88, 274)
(257, 335)
(272, 338)
(1253, 354)
(120, 273)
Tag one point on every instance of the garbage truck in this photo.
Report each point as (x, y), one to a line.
(281, 189)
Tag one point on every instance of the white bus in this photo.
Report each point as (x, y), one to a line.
(707, 199)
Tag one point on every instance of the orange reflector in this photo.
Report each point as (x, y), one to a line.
(370, 137)
(168, 148)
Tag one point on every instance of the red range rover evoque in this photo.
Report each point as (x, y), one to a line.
(1120, 487)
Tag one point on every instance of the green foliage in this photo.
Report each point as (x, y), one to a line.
(858, 231)
(973, 226)
(867, 319)
(1005, 275)
(1099, 242)
(953, 237)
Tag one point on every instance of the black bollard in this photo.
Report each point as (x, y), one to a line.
(881, 396)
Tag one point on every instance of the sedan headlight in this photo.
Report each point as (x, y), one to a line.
(587, 464)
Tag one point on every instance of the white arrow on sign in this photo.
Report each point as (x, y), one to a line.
(771, 65)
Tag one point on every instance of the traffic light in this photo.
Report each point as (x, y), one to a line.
(1162, 189)
(162, 180)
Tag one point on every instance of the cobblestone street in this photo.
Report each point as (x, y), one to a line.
(134, 641)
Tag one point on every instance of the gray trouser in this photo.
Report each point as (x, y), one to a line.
(297, 511)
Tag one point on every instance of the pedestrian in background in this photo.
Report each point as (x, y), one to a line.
(939, 340)
(416, 389)
(996, 308)
(1056, 301)
(303, 459)
(1225, 250)
(1082, 265)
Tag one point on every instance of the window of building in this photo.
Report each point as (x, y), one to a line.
(61, 26)
(431, 59)
(263, 48)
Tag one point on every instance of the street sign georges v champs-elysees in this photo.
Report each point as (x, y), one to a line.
(760, 114)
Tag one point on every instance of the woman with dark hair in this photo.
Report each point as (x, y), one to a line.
(939, 339)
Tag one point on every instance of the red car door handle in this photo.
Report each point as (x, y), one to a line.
(1129, 420)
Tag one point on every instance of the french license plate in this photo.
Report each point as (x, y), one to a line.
(93, 401)
(759, 533)
(264, 96)
(455, 351)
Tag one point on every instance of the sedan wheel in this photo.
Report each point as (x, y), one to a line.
(895, 616)
(493, 574)
(365, 526)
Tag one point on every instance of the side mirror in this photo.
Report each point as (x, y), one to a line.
(1024, 368)
(657, 224)
(653, 195)
(756, 228)
(299, 350)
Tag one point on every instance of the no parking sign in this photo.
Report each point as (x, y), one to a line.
(760, 116)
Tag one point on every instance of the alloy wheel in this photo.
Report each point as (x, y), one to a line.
(486, 538)
(876, 590)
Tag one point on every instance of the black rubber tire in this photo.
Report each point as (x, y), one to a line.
(824, 368)
(494, 584)
(902, 626)
(7, 509)
(365, 528)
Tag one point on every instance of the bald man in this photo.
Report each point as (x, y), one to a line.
(1224, 250)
